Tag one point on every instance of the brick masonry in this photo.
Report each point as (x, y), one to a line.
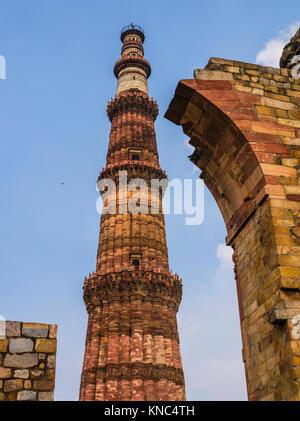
(27, 361)
(244, 122)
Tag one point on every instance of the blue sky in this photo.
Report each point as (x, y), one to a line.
(54, 128)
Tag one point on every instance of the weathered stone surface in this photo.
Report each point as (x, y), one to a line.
(46, 396)
(45, 345)
(21, 361)
(20, 345)
(13, 329)
(43, 385)
(21, 374)
(26, 395)
(5, 373)
(11, 396)
(35, 373)
(51, 361)
(27, 384)
(53, 331)
(12, 385)
(35, 330)
(3, 345)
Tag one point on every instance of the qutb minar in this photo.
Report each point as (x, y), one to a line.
(132, 346)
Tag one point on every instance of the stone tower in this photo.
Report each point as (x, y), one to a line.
(132, 346)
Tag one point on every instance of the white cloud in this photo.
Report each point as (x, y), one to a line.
(224, 253)
(271, 54)
(188, 146)
(223, 274)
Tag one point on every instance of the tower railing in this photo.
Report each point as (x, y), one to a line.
(132, 29)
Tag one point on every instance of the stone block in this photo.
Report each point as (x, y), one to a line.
(5, 373)
(211, 75)
(26, 395)
(43, 385)
(45, 345)
(278, 104)
(21, 361)
(53, 331)
(20, 345)
(12, 385)
(35, 330)
(51, 361)
(45, 396)
(278, 170)
(12, 329)
(27, 384)
(21, 374)
(34, 374)
(3, 345)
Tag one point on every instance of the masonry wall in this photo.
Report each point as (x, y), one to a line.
(244, 122)
(27, 361)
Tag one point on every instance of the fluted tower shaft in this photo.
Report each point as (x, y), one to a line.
(132, 344)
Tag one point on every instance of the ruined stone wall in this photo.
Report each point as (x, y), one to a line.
(27, 362)
(244, 121)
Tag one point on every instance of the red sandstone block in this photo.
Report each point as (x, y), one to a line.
(198, 84)
(249, 98)
(266, 158)
(262, 137)
(271, 179)
(277, 149)
(293, 197)
(222, 85)
(260, 147)
(214, 95)
(242, 115)
(244, 125)
(225, 105)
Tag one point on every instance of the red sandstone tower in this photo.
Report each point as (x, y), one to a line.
(132, 346)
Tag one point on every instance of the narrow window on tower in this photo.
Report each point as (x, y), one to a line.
(136, 260)
(134, 154)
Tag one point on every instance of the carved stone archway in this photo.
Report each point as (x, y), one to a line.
(244, 122)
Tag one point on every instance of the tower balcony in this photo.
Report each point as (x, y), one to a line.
(132, 29)
(128, 60)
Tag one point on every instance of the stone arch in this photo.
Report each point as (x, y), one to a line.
(229, 165)
(243, 121)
